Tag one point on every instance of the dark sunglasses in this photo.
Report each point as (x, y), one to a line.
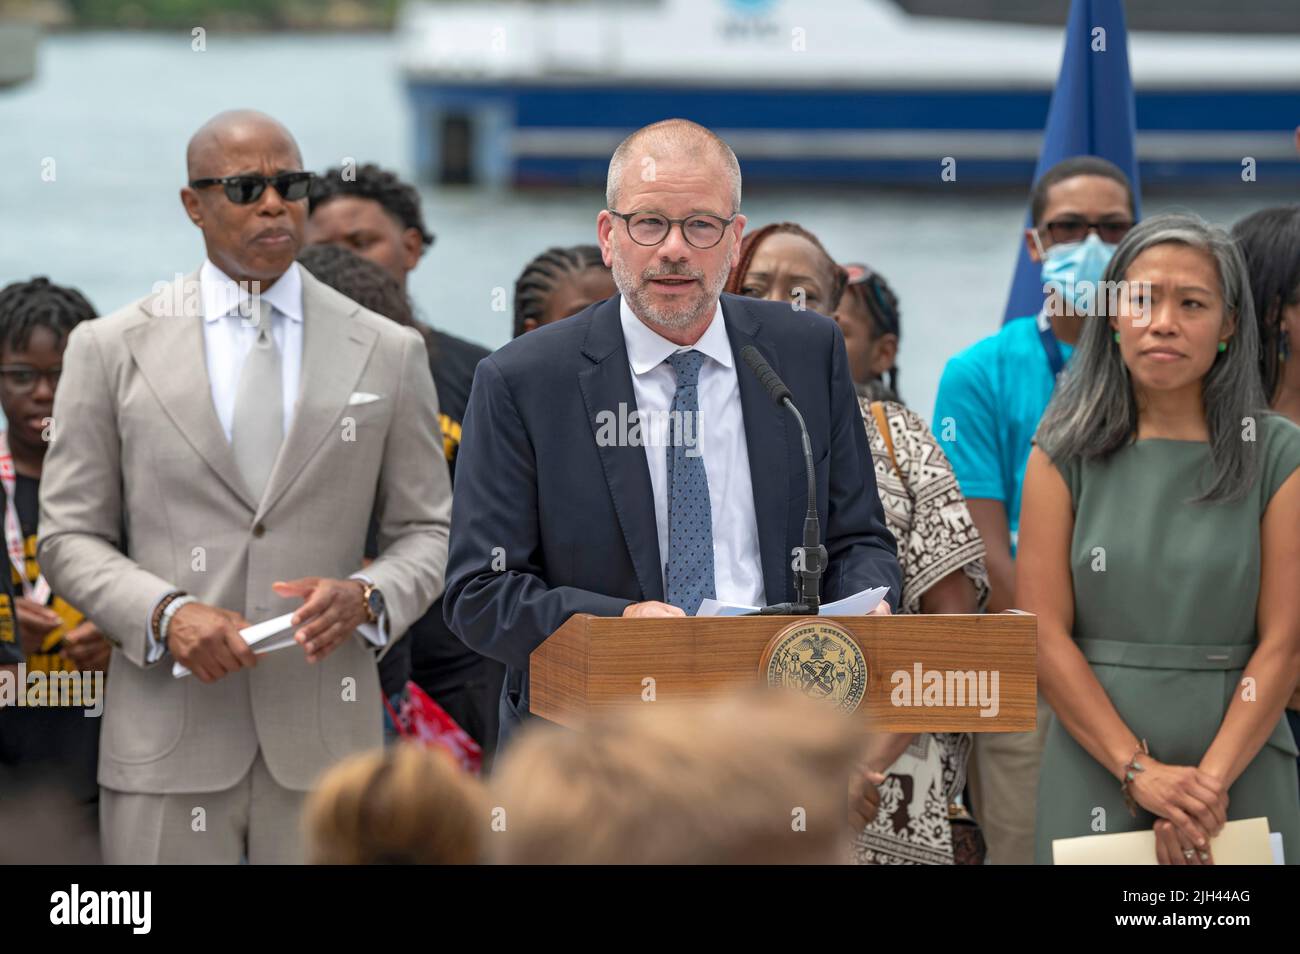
(1075, 229)
(242, 190)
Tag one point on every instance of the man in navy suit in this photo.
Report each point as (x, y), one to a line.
(623, 462)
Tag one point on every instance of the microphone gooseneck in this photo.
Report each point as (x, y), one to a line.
(811, 556)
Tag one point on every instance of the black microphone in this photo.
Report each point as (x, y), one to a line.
(770, 380)
(812, 555)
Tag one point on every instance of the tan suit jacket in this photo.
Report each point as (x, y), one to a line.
(140, 494)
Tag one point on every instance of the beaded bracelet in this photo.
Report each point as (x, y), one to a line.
(155, 621)
(1130, 772)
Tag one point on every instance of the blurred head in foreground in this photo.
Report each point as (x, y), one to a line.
(755, 778)
(402, 805)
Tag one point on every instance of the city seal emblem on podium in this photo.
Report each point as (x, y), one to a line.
(819, 659)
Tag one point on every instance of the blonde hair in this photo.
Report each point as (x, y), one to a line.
(755, 778)
(403, 805)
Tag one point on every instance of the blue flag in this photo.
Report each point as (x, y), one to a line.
(1091, 114)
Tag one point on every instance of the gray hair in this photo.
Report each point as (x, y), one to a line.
(1094, 411)
(680, 135)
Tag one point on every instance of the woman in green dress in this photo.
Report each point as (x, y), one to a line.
(1159, 551)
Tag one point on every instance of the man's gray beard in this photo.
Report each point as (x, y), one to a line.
(638, 298)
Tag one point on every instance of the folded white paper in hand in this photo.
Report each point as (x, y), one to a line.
(266, 636)
(1243, 841)
(859, 604)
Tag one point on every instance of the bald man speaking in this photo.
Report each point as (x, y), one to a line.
(558, 514)
(219, 447)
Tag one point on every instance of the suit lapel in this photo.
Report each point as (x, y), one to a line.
(769, 442)
(607, 386)
(335, 350)
(170, 353)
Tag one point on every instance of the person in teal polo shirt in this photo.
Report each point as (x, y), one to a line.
(990, 399)
(993, 393)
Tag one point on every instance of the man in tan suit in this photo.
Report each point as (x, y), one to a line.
(218, 449)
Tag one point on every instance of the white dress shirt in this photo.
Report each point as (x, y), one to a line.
(228, 334)
(720, 431)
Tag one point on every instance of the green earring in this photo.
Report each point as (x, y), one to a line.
(1117, 337)
(1223, 346)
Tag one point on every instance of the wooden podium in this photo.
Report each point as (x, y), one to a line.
(921, 673)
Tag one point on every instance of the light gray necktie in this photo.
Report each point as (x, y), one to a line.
(258, 425)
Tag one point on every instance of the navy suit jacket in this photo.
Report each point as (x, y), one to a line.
(547, 523)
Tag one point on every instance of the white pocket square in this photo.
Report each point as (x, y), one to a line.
(363, 397)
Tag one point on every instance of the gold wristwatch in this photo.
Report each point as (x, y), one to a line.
(374, 601)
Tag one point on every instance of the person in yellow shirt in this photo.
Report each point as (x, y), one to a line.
(50, 741)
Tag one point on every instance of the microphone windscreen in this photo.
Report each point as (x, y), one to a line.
(771, 382)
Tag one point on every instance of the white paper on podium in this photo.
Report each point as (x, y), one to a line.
(265, 637)
(859, 604)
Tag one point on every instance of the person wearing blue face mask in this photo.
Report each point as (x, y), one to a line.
(1072, 269)
(990, 399)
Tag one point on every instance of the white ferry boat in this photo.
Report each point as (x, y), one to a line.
(832, 91)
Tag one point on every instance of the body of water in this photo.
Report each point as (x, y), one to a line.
(110, 114)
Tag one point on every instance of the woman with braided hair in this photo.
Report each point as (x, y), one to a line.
(558, 283)
(918, 778)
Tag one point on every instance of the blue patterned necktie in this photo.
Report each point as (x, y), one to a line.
(688, 576)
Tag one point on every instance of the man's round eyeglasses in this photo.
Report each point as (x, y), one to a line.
(650, 228)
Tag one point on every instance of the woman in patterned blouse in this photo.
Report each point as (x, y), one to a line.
(939, 548)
